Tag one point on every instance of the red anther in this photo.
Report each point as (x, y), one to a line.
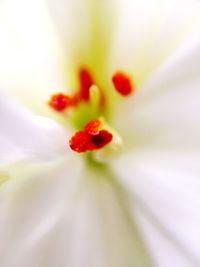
(60, 101)
(86, 81)
(91, 138)
(101, 139)
(93, 127)
(81, 142)
(74, 100)
(122, 83)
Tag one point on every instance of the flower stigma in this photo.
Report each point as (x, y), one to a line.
(86, 110)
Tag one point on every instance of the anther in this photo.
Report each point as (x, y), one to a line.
(122, 83)
(86, 81)
(60, 101)
(91, 138)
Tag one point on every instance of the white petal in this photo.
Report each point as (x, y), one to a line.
(86, 27)
(162, 170)
(31, 53)
(165, 112)
(59, 218)
(25, 134)
(165, 189)
(32, 205)
(150, 31)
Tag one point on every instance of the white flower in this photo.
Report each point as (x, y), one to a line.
(141, 209)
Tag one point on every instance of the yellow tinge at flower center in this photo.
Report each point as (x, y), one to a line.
(87, 110)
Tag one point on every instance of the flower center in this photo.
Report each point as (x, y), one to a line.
(86, 110)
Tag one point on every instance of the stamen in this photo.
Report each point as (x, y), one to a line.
(122, 83)
(86, 81)
(93, 127)
(81, 142)
(86, 103)
(91, 138)
(60, 101)
(101, 139)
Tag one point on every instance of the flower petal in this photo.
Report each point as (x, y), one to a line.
(165, 188)
(165, 112)
(149, 32)
(32, 205)
(59, 218)
(103, 235)
(25, 134)
(31, 53)
(86, 27)
(162, 169)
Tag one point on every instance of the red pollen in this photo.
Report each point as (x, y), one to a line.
(81, 142)
(86, 81)
(122, 83)
(60, 101)
(93, 127)
(91, 138)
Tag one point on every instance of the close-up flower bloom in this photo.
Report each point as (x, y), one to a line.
(99, 133)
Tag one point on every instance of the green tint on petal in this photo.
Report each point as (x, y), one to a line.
(4, 176)
(86, 28)
(122, 242)
(75, 217)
